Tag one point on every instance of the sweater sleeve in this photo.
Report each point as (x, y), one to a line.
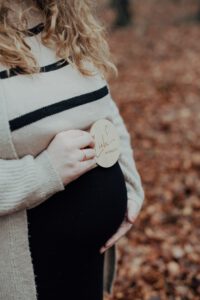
(26, 182)
(126, 160)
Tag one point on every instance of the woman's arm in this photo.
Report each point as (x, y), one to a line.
(135, 192)
(126, 159)
(27, 182)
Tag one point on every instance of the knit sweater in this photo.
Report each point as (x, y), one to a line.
(33, 109)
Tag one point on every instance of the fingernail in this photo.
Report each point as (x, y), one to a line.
(102, 250)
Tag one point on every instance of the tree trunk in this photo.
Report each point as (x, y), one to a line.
(198, 12)
(124, 16)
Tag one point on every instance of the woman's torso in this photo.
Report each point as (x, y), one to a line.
(58, 99)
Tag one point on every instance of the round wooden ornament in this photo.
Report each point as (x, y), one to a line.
(107, 142)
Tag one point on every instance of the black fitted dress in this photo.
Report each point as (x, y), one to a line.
(67, 231)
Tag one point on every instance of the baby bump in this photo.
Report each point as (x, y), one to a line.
(87, 212)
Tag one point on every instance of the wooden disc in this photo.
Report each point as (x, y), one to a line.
(107, 142)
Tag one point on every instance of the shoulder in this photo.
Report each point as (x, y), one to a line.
(96, 76)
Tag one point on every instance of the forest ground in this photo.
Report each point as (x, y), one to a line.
(158, 94)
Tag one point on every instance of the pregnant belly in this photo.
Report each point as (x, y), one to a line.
(86, 213)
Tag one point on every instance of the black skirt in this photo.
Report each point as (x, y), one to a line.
(67, 231)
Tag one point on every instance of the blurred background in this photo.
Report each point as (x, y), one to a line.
(156, 46)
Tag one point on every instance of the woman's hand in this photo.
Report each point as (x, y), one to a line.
(72, 154)
(130, 217)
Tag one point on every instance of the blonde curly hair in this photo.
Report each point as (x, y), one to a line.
(70, 28)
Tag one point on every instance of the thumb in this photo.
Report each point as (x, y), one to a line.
(132, 211)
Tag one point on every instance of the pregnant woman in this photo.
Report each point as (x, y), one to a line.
(61, 212)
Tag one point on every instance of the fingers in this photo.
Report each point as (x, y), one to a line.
(131, 215)
(80, 138)
(74, 132)
(83, 141)
(77, 132)
(87, 165)
(89, 153)
(123, 229)
(132, 211)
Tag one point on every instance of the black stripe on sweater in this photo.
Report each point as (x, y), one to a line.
(35, 29)
(54, 108)
(51, 67)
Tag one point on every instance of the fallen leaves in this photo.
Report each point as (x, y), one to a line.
(158, 93)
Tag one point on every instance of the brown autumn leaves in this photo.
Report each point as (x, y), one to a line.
(158, 93)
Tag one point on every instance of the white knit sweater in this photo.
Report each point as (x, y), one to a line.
(32, 111)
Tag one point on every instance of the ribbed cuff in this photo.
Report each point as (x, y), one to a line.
(48, 179)
(48, 176)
